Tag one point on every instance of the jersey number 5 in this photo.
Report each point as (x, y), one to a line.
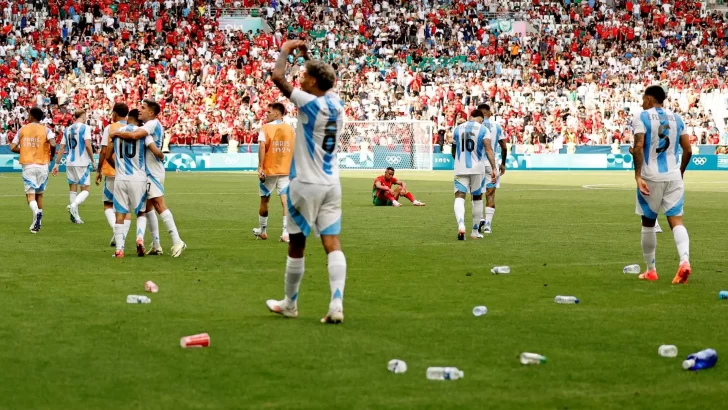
(128, 150)
(329, 144)
(467, 142)
(663, 132)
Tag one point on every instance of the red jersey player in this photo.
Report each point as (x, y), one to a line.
(384, 195)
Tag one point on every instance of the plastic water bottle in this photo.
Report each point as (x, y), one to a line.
(444, 373)
(137, 299)
(632, 269)
(566, 300)
(532, 358)
(667, 351)
(723, 294)
(704, 359)
(397, 366)
(480, 310)
(501, 270)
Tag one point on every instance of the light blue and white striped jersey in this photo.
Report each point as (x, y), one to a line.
(320, 123)
(470, 139)
(496, 132)
(155, 166)
(662, 129)
(130, 157)
(74, 138)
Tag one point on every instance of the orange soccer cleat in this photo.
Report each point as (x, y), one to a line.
(650, 275)
(683, 273)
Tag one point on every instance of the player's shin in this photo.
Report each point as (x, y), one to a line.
(153, 226)
(120, 235)
(460, 212)
(33, 207)
(141, 227)
(410, 197)
(337, 276)
(110, 217)
(682, 241)
(294, 275)
(489, 213)
(72, 196)
(80, 198)
(477, 213)
(168, 221)
(649, 246)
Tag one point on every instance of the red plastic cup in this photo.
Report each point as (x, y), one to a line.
(150, 286)
(201, 340)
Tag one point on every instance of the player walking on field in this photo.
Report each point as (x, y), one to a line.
(106, 168)
(658, 133)
(275, 153)
(80, 155)
(155, 180)
(384, 195)
(314, 193)
(36, 145)
(471, 146)
(498, 137)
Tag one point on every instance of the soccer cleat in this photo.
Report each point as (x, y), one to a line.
(476, 235)
(487, 230)
(112, 242)
(683, 273)
(140, 249)
(461, 234)
(396, 204)
(285, 238)
(481, 225)
(177, 249)
(155, 251)
(282, 308)
(76, 216)
(38, 221)
(650, 275)
(118, 254)
(70, 214)
(260, 234)
(418, 203)
(334, 317)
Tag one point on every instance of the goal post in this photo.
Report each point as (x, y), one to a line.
(368, 145)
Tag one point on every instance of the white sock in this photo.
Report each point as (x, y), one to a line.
(682, 240)
(168, 221)
(153, 226)
(72, 197)
(285, 224)
(110, 217)
(489, 213)
(141, 227)
(460, 212)
(337, 275)
(263, 223)
(477, 213)
(649, 245)
(119, 235)
(294, 274)
(127, 226)
(33, 207)
(81, 197)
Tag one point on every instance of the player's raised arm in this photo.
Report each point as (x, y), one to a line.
(279, 71)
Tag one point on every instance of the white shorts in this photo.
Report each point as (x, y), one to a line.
(108, 194)
(35, 179)
(667, 196)
(488, 180)
(155, 187)
(279, 183)
(78, 175)
(311, 205)
(470, 183)
(130, 197)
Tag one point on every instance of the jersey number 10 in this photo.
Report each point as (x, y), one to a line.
(128, 150)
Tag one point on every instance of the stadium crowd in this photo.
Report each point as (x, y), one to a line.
(573, 75)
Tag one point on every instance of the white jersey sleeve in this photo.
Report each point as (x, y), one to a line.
(155, 166)
(320, 123)
(105, 136)
(662, 130)
(16, 138)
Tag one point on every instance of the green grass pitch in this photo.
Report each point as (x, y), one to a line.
(69, 340)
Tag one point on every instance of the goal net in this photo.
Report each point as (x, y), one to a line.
(382, 144)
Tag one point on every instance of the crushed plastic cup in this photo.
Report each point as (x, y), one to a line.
(397, 366)
(195, 341)
(151, 287)
(667, 351)
(134, 299)
(480, 310)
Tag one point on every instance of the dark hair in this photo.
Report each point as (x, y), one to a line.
(79, 113)
(323, 74)
(484, 107)
(37, 114)
(134, 115)
(390, 169)
(121, 109)
(476, 114)
(656, 92)
(278, 107)
(154, 106)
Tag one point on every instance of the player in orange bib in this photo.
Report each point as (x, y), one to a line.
(118, 121)
(36, 145)
(275, 154)
(384, 195)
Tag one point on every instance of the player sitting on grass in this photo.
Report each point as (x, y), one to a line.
(384, 195)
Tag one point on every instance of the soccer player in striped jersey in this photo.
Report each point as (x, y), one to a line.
(36, 145)
(130, 182)
(155, 172)
(105, 168)
(314, 193)
(471, 150)
(498, 138)
(658, 134)
(79, 157)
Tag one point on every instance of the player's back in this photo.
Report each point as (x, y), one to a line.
(279, 141)
(320, 123)
(130, 157)
(496, 132)
(75, 141)
(662, 129)
(107, 169)
(34, 146)
(155, 166)
(470, 148)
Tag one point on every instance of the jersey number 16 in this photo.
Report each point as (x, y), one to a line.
(467, 142)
